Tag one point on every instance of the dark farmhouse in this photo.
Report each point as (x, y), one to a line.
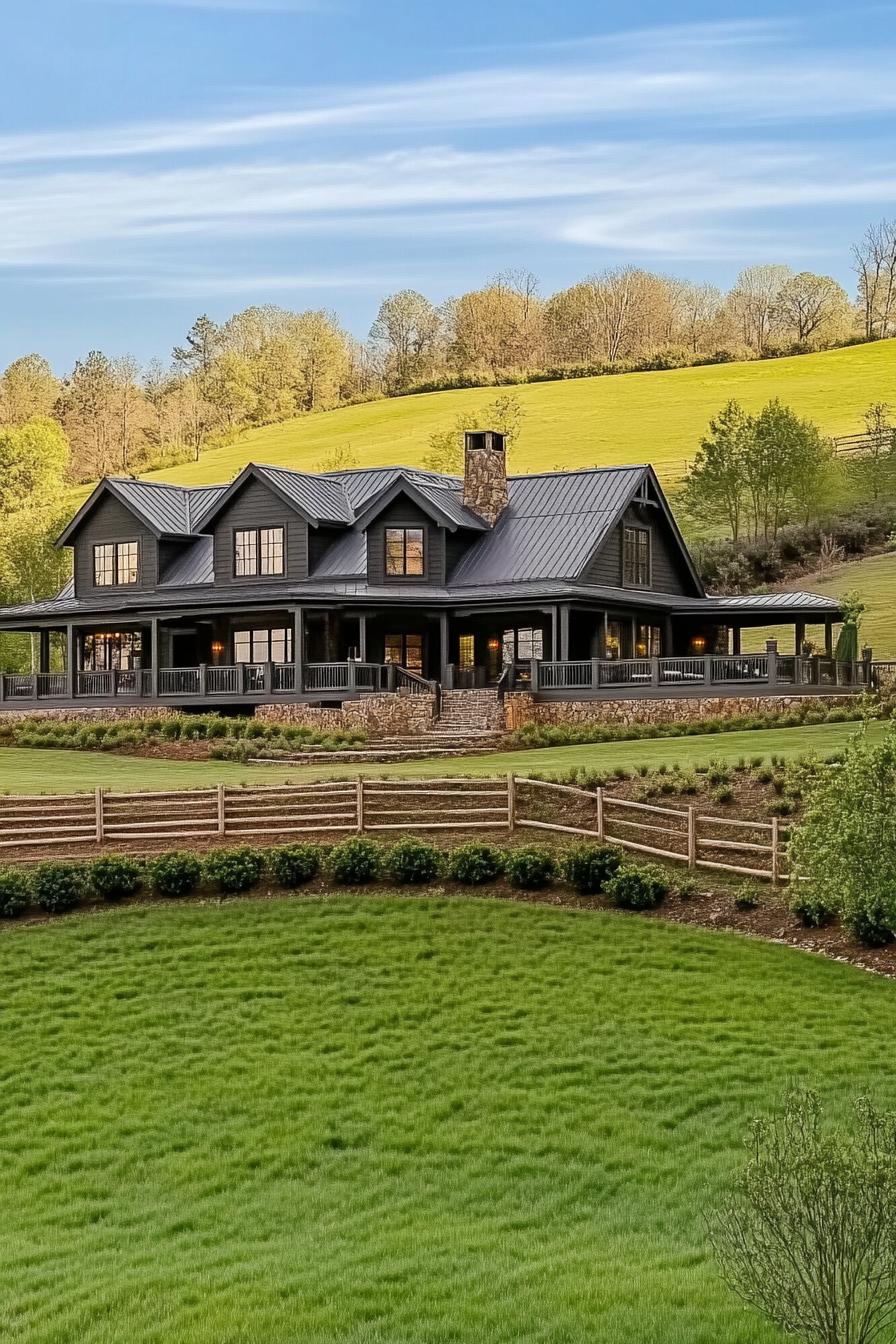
(289, 585)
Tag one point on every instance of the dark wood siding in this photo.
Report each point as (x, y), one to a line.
(403, 512)
(257, 506)
(456, 546)
(111, 521)
(669, 573)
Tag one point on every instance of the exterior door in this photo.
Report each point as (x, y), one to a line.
(406, 650)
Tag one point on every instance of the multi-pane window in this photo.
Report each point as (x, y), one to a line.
(258, 551)
(636, 557)
(115, 562)
(102, 652)
(407, 650)
(466, 652)
(523, 644)
(404, 551)
(263, 646)
(648, 641)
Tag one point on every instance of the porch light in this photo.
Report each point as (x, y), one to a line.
(494, 645)
(698, 643)
(217, 648)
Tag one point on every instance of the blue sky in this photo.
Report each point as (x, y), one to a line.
(161, 158)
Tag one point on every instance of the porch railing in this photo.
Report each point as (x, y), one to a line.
(726, 670)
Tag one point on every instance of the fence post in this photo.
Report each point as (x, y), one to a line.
(98, 797)
(360, 804)
(599, 800)
(776, 851)
(692, 837)
(511, 803)
(221, 814)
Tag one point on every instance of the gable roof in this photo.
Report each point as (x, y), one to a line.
(167, 510)
(318, 499)
(443, 506)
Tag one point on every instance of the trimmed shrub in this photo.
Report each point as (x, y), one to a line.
(747, 896)
(638, 887)
(175, 874)
(474, 864)
(811, 910)
(869, 922)
(413, 861)
(354, 862)
(293, 865)
(15, 893)
(588, 868)
(530, 869)
(233, 870)
(114, 878)
(59, 886)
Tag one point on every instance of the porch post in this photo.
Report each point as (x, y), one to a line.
(606, 636)
(70, 659)
(829, 638)
(771, 653)
(564, 633)
(555, 654)
(799, 635)
(362, 638)
(298, 646)
(443, 648)
(735, 639)
(44, 664)
(154, 658)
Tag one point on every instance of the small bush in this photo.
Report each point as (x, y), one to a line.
(588, 868)
(175, 874)
(747, 896)
(354, 862)
(233, 870)
(868, 922)
(413, 861)
(59, 886)
(530, 869)
(638, 887)
(15, 893)
(114, 878)
(474, 864)
(723, 795)
(686, 888)
(811, 910)
(294, 865)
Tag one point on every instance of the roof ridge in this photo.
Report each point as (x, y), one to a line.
(578, 471)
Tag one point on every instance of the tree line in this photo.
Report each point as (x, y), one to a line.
(267, 364)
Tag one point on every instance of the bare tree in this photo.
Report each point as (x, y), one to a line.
(407, 330)
(753, 298)
(808, 1234)
(874, 261)
(810, 306)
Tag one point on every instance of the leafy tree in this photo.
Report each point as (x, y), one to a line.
(28, 390)
(812, 308)
(203, 342)
(786, 468)
(446, 446)
(407, 330)
(714, 486)
(808, 1233)
(34, 460)
(754, 300)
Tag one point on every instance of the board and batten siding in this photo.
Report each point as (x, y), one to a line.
(110, 521)
(257, 506)
(668, 571)
(403, 512)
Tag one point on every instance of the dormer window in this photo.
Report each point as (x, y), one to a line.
(258, 550)
(636, 557)
(404, 552)
(114, 563)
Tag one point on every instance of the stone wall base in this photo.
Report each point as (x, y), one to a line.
(378, 716)
(97, 714)
(521, 708)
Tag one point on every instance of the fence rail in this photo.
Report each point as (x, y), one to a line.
(360, 806)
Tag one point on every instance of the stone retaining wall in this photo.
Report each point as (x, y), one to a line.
(385, 715)
(520, 708)
(94, 714)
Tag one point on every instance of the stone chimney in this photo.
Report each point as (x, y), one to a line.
(485, 473)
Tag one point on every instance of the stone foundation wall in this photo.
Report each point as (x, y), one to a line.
(94, 714)
(377, 715)
(520, 708)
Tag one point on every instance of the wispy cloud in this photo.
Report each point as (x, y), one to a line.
(249, 5)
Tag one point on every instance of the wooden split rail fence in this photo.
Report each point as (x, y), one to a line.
(361, 806)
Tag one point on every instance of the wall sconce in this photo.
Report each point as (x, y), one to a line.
(217, 648)
(494, 645)
(698, 643)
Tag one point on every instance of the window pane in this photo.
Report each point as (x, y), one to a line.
(414, 550)
(466, 651)
(394, 550)
(281, 646)
(272, 550)
(126, 562)
(413, 655)
(394, 649)
(103, 566)
(245, 553)
(508, 653)
(261, 645)
(242, 646)
(529, 643)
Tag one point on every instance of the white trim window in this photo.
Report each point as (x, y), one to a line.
(263, 646)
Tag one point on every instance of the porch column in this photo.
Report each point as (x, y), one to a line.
(70, 659)
(829, 639)
(735, 639)
(443, 648)
(362, 638)
(154, 657)
(298, 646)
(44, 664)
(564, 633)
(555, 642)
(604, 653)
(799, 635)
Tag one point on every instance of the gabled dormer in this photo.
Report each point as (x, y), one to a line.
(410, 526)
(642, 549)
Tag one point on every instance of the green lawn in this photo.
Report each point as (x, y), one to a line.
(33, 770)
(380, 1119)
(874, 579)
(635, 417)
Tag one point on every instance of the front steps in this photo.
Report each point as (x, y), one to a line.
(470, 712)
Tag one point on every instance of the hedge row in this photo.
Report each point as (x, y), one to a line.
(589, 868)
(230, 735)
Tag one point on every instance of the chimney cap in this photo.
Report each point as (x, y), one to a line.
(495, 439)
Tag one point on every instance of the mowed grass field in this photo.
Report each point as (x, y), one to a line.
(874, 579)
(35, 770)
(626, 418)
(374, 1119)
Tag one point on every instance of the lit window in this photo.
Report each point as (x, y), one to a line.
(102, 652)
(636, 557)
(245, 553)
(271, 547)
(404, 551)
(466, 652)
(648, 641)
(114, 563)
(406, 650)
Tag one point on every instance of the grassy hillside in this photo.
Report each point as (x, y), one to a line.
(635, 417)
(874, 578)
(391, 1118)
